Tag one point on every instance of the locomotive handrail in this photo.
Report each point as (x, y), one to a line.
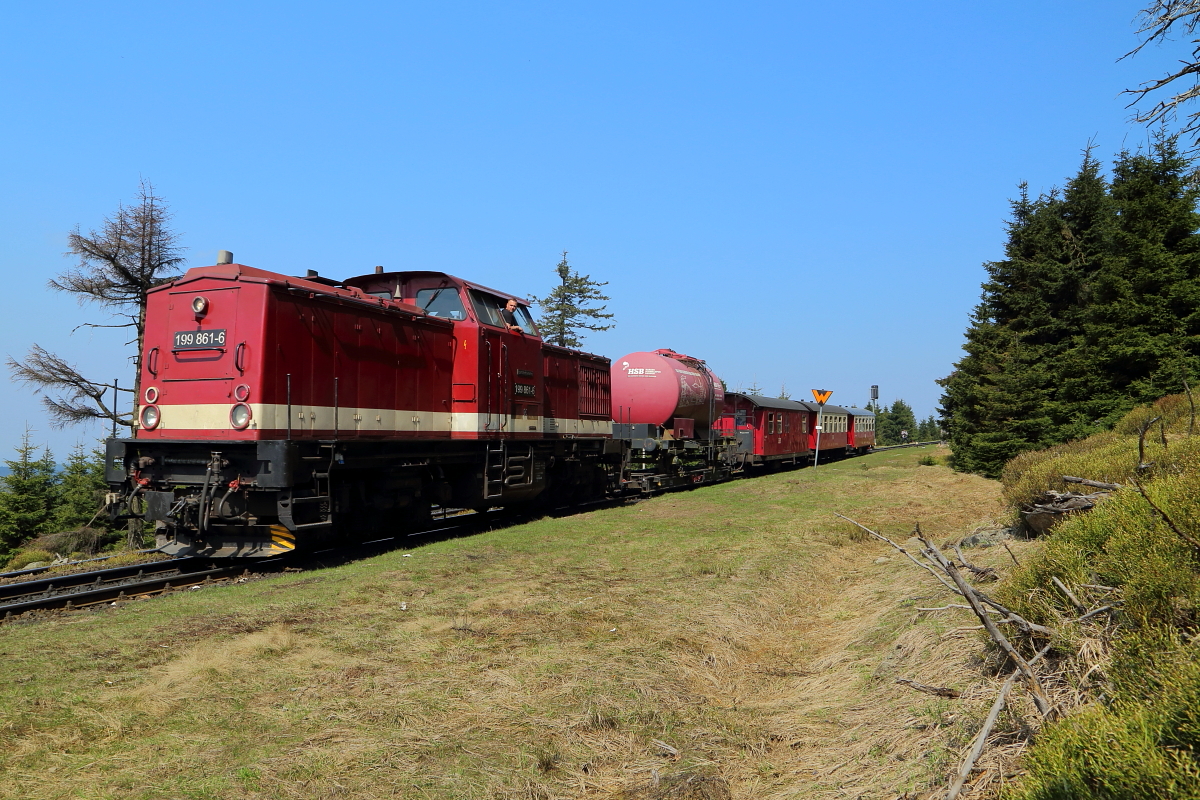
(152, 361)
(237, 357)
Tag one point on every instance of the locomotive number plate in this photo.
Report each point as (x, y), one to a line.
(199, 340)
(524, 390)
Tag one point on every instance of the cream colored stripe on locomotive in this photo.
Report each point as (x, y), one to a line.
(215, 416)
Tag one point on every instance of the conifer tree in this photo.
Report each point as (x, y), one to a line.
(898, 417)
(567, 310)
(28, 495)
(1143, 325)
(81, 490)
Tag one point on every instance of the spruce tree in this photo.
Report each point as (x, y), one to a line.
(28, 495)
(81, 490)
(898, 417)
(567, 309)
(1025, 382)
(1143, 325)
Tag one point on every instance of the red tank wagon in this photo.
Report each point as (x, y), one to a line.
(277, 409)
(665, 404)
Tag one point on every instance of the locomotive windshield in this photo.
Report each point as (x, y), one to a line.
(442, 302)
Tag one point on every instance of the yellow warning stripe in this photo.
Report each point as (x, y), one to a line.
(282, 538)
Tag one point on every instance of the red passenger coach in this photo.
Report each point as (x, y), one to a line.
(767, 429)
(770, 430)
(277, 409)
(862, 430)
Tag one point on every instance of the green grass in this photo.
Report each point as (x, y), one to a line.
(739, 623)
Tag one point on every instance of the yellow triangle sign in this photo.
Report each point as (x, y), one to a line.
(822, 396)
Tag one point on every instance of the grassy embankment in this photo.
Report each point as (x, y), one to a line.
(742, 625)
(1136, 731)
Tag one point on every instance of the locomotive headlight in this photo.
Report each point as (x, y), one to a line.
(199, 306)
(239, 416)
(151, 395)
(241, 392)
(150, 417)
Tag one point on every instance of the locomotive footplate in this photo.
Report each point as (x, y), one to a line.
(256, 541)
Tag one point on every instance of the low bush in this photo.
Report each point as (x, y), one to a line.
(1136, 733)
(24, 558)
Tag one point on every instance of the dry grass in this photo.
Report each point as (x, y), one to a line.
(733, 641)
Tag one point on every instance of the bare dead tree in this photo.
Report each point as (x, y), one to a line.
(133, 251)
(1161, 21)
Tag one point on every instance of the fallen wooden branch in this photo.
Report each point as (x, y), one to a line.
(981, 738)
(980, 573)
(1025, 625)
(1010, 553)
(950, 606)
(1062, 587)
(1094, 484)
(1093, 613)
(883, 538)
(1165, 518)
(940, 691)
(1035, 686)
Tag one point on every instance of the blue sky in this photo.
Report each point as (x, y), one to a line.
(799, 193)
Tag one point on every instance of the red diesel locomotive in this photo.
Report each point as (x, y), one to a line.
(276, 408)
(280, 411)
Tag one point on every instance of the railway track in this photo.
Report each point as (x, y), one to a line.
(116, 584)
(119, 584)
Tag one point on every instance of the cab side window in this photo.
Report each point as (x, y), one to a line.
(486, 308)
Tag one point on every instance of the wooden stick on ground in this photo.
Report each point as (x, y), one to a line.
(1086, 482)
(940, 691)
(883, 538)
(1035, 686)
(981, 738)
(1062, 587)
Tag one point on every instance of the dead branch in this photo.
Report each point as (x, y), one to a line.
(1012, 617)
(939, 691)
(1191, 407)
(78, 399)
(981, 738)
(883, 538)
(1165, 517)
(1095, 484)
(1035, 686)
(1093, 613)
(950, 606)
(1062, 587)
(980, 573)
(1011, 554)
(1143, 465)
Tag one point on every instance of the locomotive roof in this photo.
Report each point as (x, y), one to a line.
(314, 285)
(799, 405)
(415, 273)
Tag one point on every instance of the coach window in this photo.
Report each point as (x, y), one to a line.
(787, 423)
(442, 302)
